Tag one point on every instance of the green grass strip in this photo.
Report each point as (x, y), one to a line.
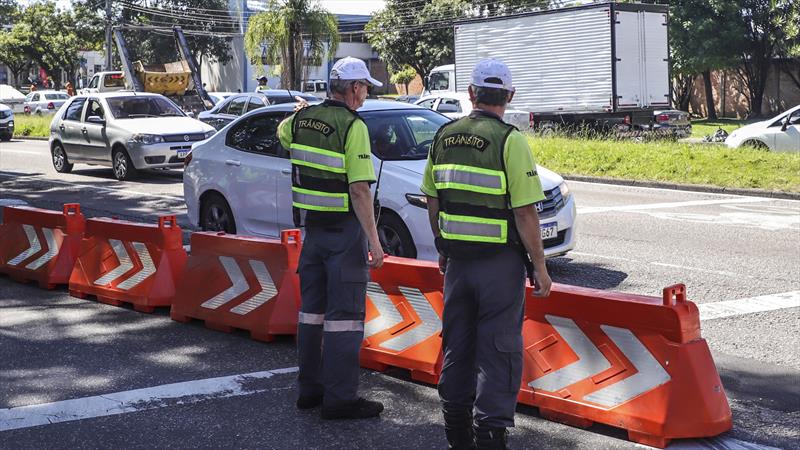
(31, 125)
(672, 162)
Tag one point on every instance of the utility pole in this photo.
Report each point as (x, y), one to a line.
(108, 35)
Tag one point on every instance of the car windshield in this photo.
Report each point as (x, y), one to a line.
(402, 134)
(139, 107)
(439, 81)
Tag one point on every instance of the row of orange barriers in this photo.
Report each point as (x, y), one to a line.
(630, 361)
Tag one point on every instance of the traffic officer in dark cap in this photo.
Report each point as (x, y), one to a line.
(262, 84)
(331, 174)
(482, 186)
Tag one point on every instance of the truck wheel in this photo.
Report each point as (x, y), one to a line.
(216, 215)
(123, 166)
(60, 161)
(394, 236)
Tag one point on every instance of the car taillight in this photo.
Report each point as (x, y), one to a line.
(51, 105)
(662, 118)
(187, 160)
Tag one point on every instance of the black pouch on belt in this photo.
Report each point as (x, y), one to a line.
(526, 259)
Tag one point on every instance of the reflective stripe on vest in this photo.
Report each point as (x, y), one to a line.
(468, 178)
(319, 201)
(473, 229)
(318, 158)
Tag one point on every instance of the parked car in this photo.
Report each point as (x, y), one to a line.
(672, 123)
(104, 82)
(12, 98)
(239, 180)
(407, 98)
(44, 102)
(780, 133)
(6, 123)
(238, 104)
(457, 104)
(127, 131)
(218, 97)
(317, 88)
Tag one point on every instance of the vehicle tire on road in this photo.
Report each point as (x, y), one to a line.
(122, 165)
(60, 161)
(395, 237)
(5, 137)
(216, 215)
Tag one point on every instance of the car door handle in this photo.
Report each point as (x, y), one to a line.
(233, 162)
(286, 171)
(83, 130)
(61, 127)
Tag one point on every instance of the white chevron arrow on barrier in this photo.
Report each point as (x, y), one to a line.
(430, 324)
(52, 250)
(239, 286)
(126, 264)
(33, 246)
(649, 372)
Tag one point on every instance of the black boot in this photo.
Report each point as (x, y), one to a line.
(490, 438)
(458, 429)
(359, 409)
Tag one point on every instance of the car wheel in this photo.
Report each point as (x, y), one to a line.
(122, 164)
(60, 161)
(394, 236)
(5, 137)
(755, 145)
(216, 215)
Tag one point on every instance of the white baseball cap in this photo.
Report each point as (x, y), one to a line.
(492, 73)
(350, 68)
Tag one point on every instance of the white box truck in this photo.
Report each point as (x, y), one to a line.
(604, 66)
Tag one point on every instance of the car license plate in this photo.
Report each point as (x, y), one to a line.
(548, 230)
(182, 153)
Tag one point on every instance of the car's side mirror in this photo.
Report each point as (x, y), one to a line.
(447, 108)
(96, 119)
(785, 123)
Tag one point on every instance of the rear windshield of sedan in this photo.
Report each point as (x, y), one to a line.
(115, 80)
(56, 96)
(139, 107)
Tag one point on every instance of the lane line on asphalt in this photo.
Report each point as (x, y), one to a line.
(742, 306)
(183, 393)
(7, 174)
(649, 206)
(659, 264)
(717, 443)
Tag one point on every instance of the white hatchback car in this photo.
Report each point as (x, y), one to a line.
(457, 104)
(780, 133)
(44, 102)
(239, 180)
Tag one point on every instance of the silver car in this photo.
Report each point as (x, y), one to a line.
(6, 123)
(127, 131)
(44, 102)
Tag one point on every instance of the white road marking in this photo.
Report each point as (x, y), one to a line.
(21, 152)
(187, 392)
(660, 264)
(742, 306)
(115, 190)
(716, 443)
(649, 206)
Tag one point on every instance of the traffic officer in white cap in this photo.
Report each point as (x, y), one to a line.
(482, 186)
(331, 173)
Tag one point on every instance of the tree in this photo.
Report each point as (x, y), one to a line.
(701, 37)
(404, 77)
(788, 49)
(289, 34)
(421, 41)
(8, 9)
(13, 54)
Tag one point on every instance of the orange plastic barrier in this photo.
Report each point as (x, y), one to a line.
(403, 318)
(39, 244)
(126, 262)
(241, 282)
(629, 361)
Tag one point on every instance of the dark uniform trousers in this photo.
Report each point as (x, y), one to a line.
(333, 282)
(482, 340)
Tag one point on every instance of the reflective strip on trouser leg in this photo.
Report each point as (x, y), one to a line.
(318, 158)
(311, 319)
(319, 201)
(343, 325)
(474, 229)
(468, 178)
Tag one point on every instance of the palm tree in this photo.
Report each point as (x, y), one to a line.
(294, 32)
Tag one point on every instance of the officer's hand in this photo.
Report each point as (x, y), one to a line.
(442, 264)
(541, 283)
(301, 103)
(376, 257)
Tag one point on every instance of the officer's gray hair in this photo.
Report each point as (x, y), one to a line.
(490, 96)
(341, 86)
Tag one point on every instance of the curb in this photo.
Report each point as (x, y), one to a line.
(31, 138)
(686, 187)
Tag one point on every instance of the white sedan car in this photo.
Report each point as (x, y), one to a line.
(457, 104)
(239, 180)
(44, 102)
(780, 133)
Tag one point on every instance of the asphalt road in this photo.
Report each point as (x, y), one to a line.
(55, 348)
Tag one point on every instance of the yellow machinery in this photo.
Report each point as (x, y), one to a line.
(165, 79)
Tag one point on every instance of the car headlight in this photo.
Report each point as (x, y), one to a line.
(418, 200)
(146, 139)
(565, 193)
(11, 123)
(209, 134)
